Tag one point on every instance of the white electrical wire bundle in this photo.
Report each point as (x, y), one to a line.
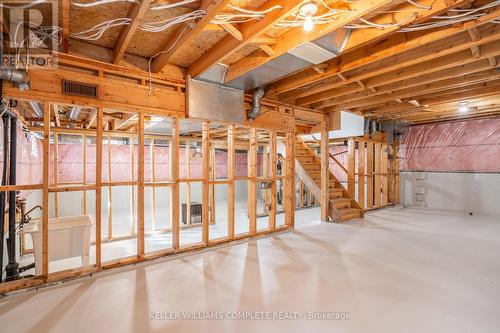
(28, 5)
(325, 18)
(165, 24)
(97, 31)
(173, 5)
(470, 11)
(100, 2)
(242, 15)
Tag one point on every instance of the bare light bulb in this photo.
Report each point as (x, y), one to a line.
(308, 24)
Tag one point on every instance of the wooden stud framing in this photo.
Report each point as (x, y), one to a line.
(378, 151)
(369, 174)
(206, 175)
(384, 175)
(110, 194)
(273, 174)
(140, 189)
(252, 182)
(325, 173)
(231, 158)
(46, 180)
(56, 173)
(98, 190)
(361, 174)
(188, 176)
(174, 197)
(351, 171)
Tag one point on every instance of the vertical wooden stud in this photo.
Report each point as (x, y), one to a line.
(98, 191)
(140, 189)
(274, 185)
(230, 176)
(325, 173)
(110, 193)
(45, 199)
(56, 174)
(384, 176)
(206, 171)
(174, 171)
(289, 195)
(188, 175)
(361, 174)
(252, 182)
(369, 175)
(132, 189)
(378, 150)
(84, 171)
(351, 167)
(152, 177)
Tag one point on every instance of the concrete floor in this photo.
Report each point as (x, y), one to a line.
(398, 270)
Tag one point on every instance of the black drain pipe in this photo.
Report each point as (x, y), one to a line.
(12, 269)
(5, 119)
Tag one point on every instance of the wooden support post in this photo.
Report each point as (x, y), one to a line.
(351, 167)
(361, 174)
(230, 177)
(211, 187)
(98, 191)
(140, 189)
(252, 182)
(369, 175)
(188, 175)
(325, 173)
(384, 175)
(56, 173)
(206, 171)
(378, 149)
(132, 189)
(273, 202)
(174, 171)
(289, 195)
(84, 171)
(152, 177)
(45, 199)
(110, 193)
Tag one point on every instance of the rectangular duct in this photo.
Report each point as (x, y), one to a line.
(214, 102)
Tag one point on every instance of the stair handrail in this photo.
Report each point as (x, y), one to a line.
(331, 156)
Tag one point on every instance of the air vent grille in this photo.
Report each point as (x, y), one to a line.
(79, 89)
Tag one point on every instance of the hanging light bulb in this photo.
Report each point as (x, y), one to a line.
(307, 11)
(308, 24)
(463, 106)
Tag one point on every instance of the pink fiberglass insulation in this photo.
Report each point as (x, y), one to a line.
(29, 157)
(462, 146)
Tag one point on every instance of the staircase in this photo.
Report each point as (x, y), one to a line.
(342, 206)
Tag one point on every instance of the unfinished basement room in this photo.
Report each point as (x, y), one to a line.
(250, 165)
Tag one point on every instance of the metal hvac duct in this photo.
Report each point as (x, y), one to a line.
(303, 56)
(14, 75)
(258, 94)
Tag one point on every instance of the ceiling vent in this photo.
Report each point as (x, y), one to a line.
(79, 89)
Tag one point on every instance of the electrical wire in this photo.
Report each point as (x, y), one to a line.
(419, 5)
(173, 5)
(100, 2)
(165, 24)
(28, 5)
(150, 89)
(471, 11)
